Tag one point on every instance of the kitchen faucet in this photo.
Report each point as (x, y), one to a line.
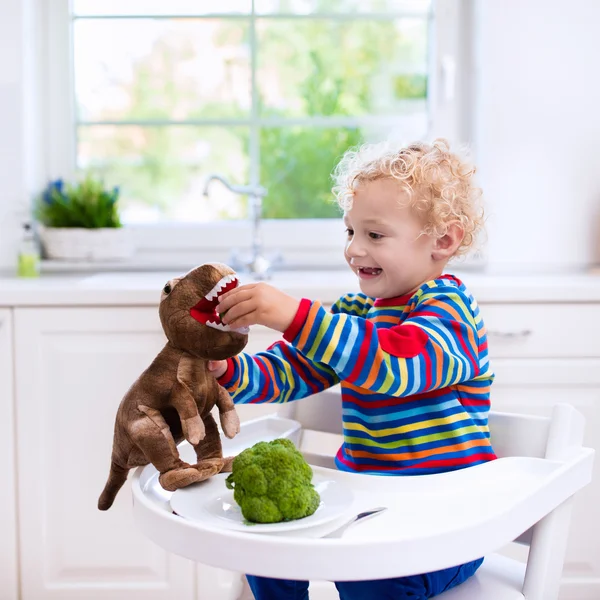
(257, 264)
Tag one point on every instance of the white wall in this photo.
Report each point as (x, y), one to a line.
(536, 128)
(11, 128)
(20, 133)
(537, 131)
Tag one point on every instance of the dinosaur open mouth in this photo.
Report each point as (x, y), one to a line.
(205, 311)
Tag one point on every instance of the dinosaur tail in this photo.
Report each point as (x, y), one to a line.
(116, 478)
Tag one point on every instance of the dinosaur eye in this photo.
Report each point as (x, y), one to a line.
(167, 288)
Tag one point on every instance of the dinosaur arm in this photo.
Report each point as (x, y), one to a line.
(230, 422)
(184, 402)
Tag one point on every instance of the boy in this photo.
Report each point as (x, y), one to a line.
(410, 351)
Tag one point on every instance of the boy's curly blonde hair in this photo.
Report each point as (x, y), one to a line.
(438, 182)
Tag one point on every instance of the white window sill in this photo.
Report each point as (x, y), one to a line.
(292, 244)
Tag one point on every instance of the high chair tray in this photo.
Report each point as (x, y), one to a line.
(432, 521)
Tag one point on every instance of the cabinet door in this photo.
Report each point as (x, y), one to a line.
(534, 386)
(8, 515)
(73, 365)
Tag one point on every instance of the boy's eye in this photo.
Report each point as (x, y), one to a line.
(375, 236)
(349, 232)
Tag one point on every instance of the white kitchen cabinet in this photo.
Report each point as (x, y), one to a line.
(73, 366)
(8, 512)
(543, 354)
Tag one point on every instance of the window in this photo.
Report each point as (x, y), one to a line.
(268, 92)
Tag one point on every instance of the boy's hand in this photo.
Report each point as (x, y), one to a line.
(217, 367)
(258, 304)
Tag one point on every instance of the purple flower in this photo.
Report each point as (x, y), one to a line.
(115, 194)
(48, 194)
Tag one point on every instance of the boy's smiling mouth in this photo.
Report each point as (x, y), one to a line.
(368, 272)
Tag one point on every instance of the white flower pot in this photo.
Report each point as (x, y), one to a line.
(73, 243)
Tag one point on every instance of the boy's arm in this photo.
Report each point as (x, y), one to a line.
(279, 374)
(436, 346)
(282, 373)
(353, 304)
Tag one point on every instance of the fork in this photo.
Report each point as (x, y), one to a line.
(339, 532)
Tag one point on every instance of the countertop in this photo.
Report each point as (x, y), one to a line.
(143, 288)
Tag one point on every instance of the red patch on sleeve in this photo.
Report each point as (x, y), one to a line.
(289, 335)
(402, 341)
(226, 378)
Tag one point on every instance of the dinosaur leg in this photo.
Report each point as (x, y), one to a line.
(230, 422)
(209, 451)
(227, 464)
(153, 437)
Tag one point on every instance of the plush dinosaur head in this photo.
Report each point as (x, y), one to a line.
(188, 316)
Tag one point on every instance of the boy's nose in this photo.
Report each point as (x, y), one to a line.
(353, 248)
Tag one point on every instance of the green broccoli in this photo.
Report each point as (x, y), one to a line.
(272, 483)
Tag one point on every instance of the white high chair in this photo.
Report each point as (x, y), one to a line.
(433, 521)
(557, 438)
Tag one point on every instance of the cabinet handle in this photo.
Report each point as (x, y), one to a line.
(510, 335)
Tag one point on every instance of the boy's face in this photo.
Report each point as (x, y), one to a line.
(385, 246)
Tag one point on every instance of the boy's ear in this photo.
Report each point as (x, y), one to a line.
(444, 247)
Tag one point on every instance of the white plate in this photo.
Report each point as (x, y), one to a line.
(212, 503)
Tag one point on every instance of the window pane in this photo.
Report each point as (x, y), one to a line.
(296, 165)
(160, 7)
(305, 7)
(169, 69)
(162, 170)
(343, 68)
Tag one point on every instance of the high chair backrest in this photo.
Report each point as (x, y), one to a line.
(321, 412)
(553, 438)
(512, 434)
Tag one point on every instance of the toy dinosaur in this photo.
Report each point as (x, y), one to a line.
(173, 397)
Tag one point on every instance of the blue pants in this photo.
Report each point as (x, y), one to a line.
(415, 587)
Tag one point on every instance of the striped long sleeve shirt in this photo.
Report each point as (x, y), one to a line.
(414, 374)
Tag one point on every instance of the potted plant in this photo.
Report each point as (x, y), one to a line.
(80, 221)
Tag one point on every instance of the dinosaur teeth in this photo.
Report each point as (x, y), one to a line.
(223, 327)
(213, 294)
(220, 326)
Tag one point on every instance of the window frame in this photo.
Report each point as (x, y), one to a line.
(305, 242)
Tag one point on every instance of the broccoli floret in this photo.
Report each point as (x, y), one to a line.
(272, 483)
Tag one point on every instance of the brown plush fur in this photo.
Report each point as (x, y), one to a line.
(173, 397)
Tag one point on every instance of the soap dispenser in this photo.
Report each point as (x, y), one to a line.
(28, 264)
